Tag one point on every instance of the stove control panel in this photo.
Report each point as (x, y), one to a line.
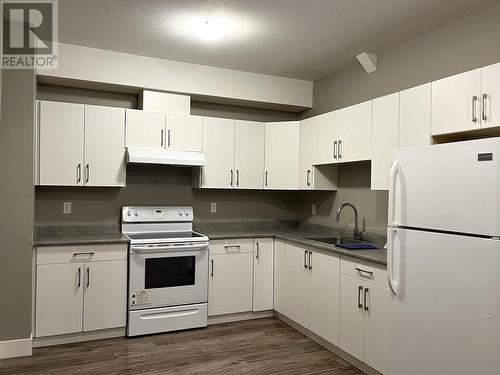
(131, 214)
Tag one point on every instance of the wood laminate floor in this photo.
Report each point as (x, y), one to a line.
(261, 346)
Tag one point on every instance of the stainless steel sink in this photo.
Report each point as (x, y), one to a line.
(340, 241)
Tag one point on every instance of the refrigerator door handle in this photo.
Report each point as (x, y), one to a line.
(392, 192)
(393, 282)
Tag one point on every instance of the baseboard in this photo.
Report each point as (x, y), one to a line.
(39, 342)
(227, 318)
(328, 345)
(16, 348)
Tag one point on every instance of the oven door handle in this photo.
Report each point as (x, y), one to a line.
(162, 249)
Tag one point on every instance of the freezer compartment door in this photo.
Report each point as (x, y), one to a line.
(445, 319)
(450, 187)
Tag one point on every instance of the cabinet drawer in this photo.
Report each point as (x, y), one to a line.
(363, 269)
(233, 246)
(80, 253)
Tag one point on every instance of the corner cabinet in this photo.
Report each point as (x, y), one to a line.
(263, 274)
(80, 288)
(364, 315)
(80, 145)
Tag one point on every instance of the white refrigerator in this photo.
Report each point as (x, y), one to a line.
(444, 259)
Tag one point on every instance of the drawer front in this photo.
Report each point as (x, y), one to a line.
(233, 246)
(364, 270)
(80, 253)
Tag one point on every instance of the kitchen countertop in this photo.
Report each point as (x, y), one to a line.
(298, 236)
(54, 235)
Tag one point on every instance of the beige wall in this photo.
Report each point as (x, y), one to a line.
(16, 203)
(466, 44)
(469, 43)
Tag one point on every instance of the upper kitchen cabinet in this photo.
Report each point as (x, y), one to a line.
(249, 155)
(415, 116)
(184, 132)
(456, 103)
(384, 139)
(218, 148)
(104, 146)
(80, 145)
(145, 129)
(282, 155)
(353, 133)
(490, 97)
(61, 141)
(313, 177)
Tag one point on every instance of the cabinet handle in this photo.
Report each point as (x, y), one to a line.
(212, 272)
(257, 255)
(360, 290)
(360, 270)
(237, 177)
(236, 245)
(308, 174)
(231, 177)
(305, 259)
(335, 149)
(366, 299)
(78, 173)
(88, 277)
(168, 138)
(87, 173)
(162, 138)
(474, 117)
(266, 179)
(340, 149)
(484, 116)
(79, 277)
(310, 260)
(90, 253)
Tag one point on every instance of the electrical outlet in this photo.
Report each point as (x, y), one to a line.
(213, 207)
(67, 208)
(313, 209)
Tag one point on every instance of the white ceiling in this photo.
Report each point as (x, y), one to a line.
(305, 39)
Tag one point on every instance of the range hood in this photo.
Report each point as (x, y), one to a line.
(149, 155)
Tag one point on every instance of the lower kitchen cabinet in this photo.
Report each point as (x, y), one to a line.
(230, 287)
(296, 301)
(80, 288)
(364, 318)
(279, 277)
(324, 295)
(263, 274)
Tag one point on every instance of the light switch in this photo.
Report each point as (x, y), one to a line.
(66, 208)
(313, 209)
(213, 207)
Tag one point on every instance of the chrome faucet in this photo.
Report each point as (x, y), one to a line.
(357, 234)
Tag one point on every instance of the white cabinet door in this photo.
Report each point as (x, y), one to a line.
(218, 148)
(279, 277)
(354, 132)
(377, 327)
(145, 129)
(324, 296)
(61, 135)
(490, 115)
(104, 146)
(384, 139)
(297, 284)
(326, 128)
(352, 320)
(249, 154)
(184, 132)
(415, 116)
(59, 299)
(230, 283)
(306, 152)
(263, 276)
(105, 296)
(282, 155)
(456, 103)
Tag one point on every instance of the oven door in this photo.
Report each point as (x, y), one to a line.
(167, 275)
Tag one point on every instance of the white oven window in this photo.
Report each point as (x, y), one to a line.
(169, 272)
